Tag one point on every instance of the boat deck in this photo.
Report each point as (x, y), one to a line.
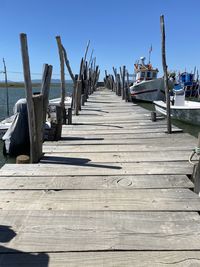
(113, 192)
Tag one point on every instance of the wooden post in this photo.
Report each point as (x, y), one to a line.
(30, 105)
(86, 50)
(127, 87)
(46, 80)
(69, 116)
(62, 76)
(59, 113)
(118, 85)
(68, 64)
(90, 61)
(22, 159)
(6, 84)
(196, 172)
(153, 116)
(78, 96)
(162, 24)
(38, 109)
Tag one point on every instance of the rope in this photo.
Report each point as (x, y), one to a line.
(196, 151)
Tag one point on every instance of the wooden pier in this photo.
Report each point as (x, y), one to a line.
(113, 192)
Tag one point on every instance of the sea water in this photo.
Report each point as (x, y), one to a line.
(14, 94)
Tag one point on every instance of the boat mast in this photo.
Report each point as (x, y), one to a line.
(150, 50)
(6, 84)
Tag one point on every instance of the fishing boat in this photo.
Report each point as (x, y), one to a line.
(190, 84)
(181, 109)
(147, 87)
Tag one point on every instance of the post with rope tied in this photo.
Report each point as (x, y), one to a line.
(196, 169)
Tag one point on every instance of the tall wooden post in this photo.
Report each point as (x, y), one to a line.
(6, 84)
(30, 105)
(162, 25)
(46, 80)
(36, 104)
(86, 50)
(62, 73)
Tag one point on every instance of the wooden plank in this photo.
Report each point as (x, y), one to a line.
(56, 231)
(101, 127)
(124, 138)
(121, 148)
(175, 140)
(87, 168)
(100, 259)
(99, 200)
(112, 132)
(117, 136)
(96, 182)
(148, 156)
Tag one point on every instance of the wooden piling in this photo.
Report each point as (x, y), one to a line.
(162, 25)
(30, 105)
(196, 171)
(62, 76)
(46, 80)
(69, 116)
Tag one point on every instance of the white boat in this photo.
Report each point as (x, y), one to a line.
(147, 87)
(5, 124)
(183, 110)
(56, 101)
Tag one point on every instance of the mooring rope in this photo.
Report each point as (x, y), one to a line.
(196, 151)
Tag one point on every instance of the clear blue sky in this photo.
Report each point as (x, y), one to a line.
(120, 31)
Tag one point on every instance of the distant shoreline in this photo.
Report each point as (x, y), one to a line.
(21, 85)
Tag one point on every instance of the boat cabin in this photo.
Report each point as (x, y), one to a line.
(145, 72)
(186, 78)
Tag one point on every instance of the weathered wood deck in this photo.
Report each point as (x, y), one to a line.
(113, 192)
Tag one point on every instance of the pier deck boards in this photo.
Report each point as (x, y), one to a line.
(113, 192)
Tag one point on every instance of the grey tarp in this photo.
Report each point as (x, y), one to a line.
(16, 139)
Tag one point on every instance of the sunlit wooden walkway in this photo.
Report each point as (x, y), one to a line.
(113, 192)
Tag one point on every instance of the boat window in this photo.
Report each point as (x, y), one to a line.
(154, 74)
(142, 74)
(148, 74)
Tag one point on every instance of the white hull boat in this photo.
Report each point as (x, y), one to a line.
(188, 112)
(148, 90)
(56, 101)
(147, 87)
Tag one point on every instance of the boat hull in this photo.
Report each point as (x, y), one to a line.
(148, 91)
(189, 113)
